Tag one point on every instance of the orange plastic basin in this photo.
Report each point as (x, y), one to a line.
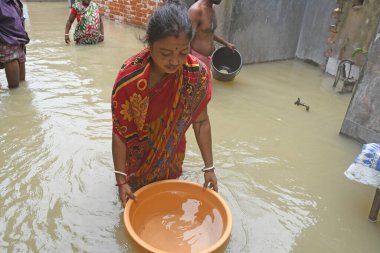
(178, 216)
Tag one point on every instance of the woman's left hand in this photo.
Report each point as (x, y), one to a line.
(101, 38)
(210, 180)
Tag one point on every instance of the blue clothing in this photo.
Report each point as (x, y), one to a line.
(12, 30)
(370, 156)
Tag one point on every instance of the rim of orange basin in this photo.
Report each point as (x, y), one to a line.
(223, 239)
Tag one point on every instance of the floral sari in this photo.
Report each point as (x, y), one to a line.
(152, 122)
(87, 30)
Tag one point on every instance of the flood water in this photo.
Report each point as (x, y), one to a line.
(280, 168)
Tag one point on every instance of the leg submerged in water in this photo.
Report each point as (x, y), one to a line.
(13, 73)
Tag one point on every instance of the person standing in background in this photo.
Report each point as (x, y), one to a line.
(13, 39)
(203, 19)
(89, 29)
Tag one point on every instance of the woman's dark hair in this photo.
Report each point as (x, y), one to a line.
(171, 19)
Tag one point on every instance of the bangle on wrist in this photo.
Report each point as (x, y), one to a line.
(66, 34)
(120, 184)
(127, 177)
(208, 169)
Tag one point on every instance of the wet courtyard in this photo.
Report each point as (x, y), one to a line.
(280, 167)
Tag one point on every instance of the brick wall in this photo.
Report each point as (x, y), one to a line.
(132, 12)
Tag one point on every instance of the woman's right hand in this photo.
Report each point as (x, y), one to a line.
(67, 39)
(125, 193)
(210, 180)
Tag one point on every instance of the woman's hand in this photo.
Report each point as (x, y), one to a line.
(69, 22)
(125, 193)
(210, 180)
(67, 39)
(101, 38)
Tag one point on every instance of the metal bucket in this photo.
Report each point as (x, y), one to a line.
(225, 64)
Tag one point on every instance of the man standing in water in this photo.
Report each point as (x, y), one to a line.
(203, 19)
(13, 39)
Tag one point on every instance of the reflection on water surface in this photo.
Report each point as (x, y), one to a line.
(280, 168)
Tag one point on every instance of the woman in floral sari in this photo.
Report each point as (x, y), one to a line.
(89, 29)
(157, 95)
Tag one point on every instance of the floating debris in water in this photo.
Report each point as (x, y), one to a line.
(298, 102)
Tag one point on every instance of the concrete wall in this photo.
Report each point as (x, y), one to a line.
(355, 28)
(315, 30)
(224, 15)
(362, 121)
(277, 30)
(263, 30)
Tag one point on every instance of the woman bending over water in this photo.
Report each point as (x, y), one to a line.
(157, 95)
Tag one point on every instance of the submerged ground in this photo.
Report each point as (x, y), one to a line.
(280, 167)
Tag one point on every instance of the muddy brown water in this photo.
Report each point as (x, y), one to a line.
(280, 168)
